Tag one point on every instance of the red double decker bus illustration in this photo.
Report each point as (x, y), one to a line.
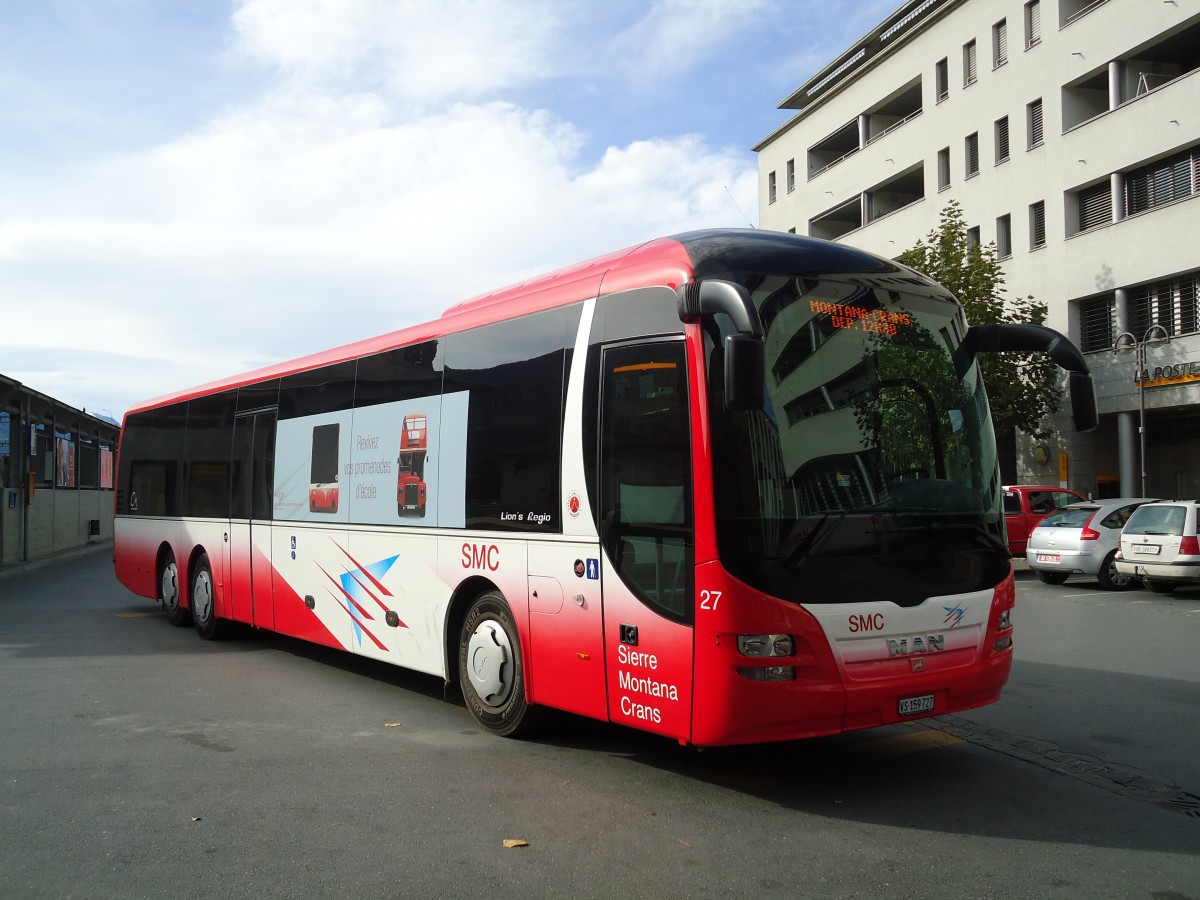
(410, 477)
(323, 476)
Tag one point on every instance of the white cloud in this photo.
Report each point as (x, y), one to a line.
(332, 208)
(675, 35)
(415, 49)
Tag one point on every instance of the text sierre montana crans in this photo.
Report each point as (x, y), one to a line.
(644, 685)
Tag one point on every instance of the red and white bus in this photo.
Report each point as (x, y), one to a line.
(727, 487)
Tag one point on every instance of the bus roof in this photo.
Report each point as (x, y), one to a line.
(669, 261)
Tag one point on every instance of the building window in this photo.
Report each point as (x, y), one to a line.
(1004, 236)
(970, 73)
(1162, 182)
(791, 175)
(972, 154)
(1095, 206)
(999, 43)
(1171, 304)
(771, 188)
(1033, 119)
(973, 236)
(942, 79)
(1097, 323)
(1033, 23)
(943, 168)
(1001, 140)
(1037, 225)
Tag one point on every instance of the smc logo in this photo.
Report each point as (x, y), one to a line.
(859, 623)
(481, 556)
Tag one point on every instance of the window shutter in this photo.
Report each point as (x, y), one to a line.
(1002, 139)
(1000, 42)
(972, 147)
(1033, 22)
(1035, 122)
(1037, 225)
(1095, 206)
(1097, 323)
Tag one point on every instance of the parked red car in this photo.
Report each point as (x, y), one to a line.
(1027, 504)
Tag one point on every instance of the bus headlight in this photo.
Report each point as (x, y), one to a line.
(766, 645)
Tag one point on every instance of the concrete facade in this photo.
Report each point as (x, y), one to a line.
(1095, 212)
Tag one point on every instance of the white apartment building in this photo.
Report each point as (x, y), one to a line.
(1069, 132)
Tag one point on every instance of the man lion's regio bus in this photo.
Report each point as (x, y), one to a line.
(727, 487)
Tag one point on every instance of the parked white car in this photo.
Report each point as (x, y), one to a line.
(1159, 545)
(1082, 539)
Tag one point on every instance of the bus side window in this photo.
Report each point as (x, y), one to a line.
(645, 473)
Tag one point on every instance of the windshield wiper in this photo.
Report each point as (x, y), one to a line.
(807, 540)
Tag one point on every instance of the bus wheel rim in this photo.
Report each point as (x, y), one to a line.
(170, 587)
(489, 663)
(203, 597)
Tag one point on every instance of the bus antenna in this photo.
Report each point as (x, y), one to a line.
(738, 208)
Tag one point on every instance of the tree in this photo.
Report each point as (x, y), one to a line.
(1023, 388)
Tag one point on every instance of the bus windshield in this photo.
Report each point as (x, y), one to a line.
(871, 470)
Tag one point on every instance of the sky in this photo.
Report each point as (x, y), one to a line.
(190, 189)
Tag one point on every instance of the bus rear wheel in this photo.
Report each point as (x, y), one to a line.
(204, 611)
(490, 668)
(168, 591)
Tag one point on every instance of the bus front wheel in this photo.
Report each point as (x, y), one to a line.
(490, 668)
(204, 611)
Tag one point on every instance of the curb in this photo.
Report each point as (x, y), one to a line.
(19, 568)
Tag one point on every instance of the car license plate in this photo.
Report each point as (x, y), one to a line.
(910, 706)
(1048, 557)
(1148, 549)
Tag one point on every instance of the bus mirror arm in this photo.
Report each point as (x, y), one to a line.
(745, 381)
(1006, 337)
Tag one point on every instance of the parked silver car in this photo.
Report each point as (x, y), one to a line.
(1082, 539)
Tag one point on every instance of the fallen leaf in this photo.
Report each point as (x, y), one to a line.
(509, 843)
(391, 724)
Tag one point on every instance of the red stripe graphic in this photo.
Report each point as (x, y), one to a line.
(379, 587)
(359, 624)
(338, 584)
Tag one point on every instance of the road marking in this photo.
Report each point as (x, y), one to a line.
(138, 615)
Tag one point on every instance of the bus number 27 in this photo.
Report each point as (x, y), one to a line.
(710, 599)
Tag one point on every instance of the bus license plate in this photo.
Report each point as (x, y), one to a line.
(1151, 549)
(1048, 557)
(910, 706)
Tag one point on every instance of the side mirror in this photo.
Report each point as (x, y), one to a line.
(744, 379)
(1005, 337)
(1083, 402)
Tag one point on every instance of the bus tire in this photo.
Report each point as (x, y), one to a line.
(203, 598)
(491, 671)
(168, 590)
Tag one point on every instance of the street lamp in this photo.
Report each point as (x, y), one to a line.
(1155, 336)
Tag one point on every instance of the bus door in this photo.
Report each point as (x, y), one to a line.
(646, 535)
(248, 549)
